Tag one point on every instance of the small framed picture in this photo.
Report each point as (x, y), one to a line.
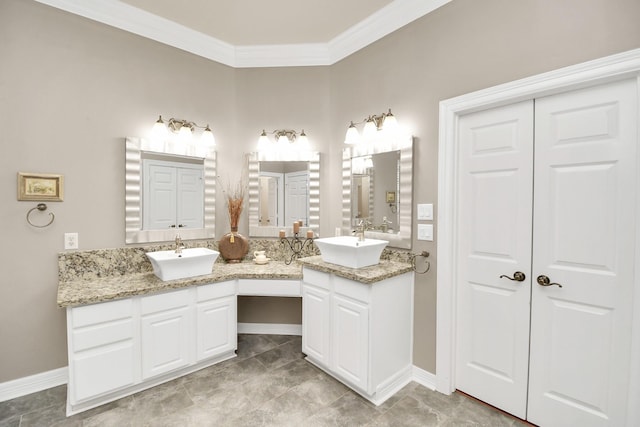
(40, 187)
(391, 196)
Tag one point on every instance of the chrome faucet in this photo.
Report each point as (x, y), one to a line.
(384, 227)
(179, 245)
(363, 226)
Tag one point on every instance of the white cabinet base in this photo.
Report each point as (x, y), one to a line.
(383, 392)
(110, 397)
(358, 333)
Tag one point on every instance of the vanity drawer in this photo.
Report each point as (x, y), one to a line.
(349, 288)
(269, 287)
(316, 278)
(102, 334)
(216, 290)
(166, 301)
(101, 313)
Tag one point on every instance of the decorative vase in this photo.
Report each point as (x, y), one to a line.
(233, 246)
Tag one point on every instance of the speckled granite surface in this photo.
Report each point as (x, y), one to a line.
(86, 277)
(368, 275)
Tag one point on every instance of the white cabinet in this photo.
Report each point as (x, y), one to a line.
(350, 339)
(361, 334)
(316, 310)
(166, 332)
(120, 347)
(216, 319)
(101, 348)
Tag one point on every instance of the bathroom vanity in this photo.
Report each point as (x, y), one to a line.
(360, 333)
(129, 332)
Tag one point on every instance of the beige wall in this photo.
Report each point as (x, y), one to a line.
(462, 47)
(71, 89)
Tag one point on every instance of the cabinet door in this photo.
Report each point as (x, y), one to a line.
(166, 333)
(216, 329)
(316, 310)
(350, 341)
(101, 349)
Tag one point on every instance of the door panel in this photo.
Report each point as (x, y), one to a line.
(492, 340)
(584, 217)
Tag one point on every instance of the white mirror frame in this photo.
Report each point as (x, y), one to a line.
(401, 239)
(133, 195)
(254, 159)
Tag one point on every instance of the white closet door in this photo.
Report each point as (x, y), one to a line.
(297, 197)
(495, 213)
(190, 203)
(584, 228)
(160, 197)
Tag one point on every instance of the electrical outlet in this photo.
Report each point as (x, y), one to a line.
(425, 232)
(71, 240)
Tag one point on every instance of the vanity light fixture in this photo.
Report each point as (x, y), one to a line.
(184, 129)
(283, 139)
(372, 124)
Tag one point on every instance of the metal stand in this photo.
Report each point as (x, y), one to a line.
(296, 245)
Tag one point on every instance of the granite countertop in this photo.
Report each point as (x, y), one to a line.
(77, 292)
(88, 291)
(366, 275)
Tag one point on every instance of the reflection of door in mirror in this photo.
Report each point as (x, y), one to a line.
(373, 176)
(173, 194)
(362, 191)
(271, 204)
(297, 197)
(283, 193)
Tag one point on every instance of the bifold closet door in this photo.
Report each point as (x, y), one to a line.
(494, 238)
(583, 239)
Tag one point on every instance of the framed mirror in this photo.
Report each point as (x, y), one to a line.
(377, 186)
(283, 189)
(169, 190)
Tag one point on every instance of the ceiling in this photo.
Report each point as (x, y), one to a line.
(255, 22)
(257, 33)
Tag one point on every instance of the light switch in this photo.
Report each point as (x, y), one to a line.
(425, 232)
(425, 211)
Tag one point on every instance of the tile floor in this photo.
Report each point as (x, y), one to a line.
(268, 384)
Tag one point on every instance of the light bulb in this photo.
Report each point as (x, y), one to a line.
(303, 142)
(390, 123)
(353, 136)
(283, 142)
(184, 135)
(159, 132)
(207, 139)
(263, 142)
(370, 129)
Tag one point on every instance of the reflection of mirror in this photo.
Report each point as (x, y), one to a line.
(281, 191)
(374, 184)
(168, 193)
(379, 189)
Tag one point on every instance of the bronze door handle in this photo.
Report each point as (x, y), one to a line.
(518, 276)
(545, 281)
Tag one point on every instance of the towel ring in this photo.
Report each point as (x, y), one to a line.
(40, 207)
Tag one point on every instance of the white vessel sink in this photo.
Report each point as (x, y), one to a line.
(168, 265)
(348, 251)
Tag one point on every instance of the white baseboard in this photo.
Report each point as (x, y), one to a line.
(270, 328)
(33, 383)
(424, 378)
(38, 382)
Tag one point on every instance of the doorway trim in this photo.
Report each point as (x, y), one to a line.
(599, 71)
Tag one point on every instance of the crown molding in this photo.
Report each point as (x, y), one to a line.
(385, 21)
(137, 21)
